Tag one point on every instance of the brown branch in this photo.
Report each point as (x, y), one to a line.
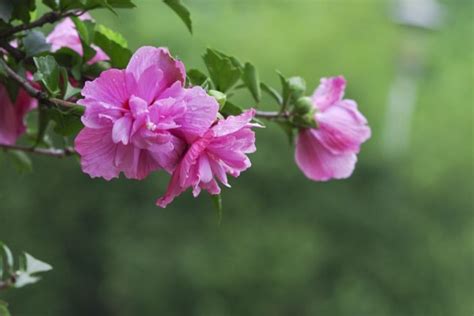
(52, 152)
(50, 17)
(32, 91)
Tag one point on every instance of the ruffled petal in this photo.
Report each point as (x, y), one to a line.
(318, 163)
(233, 123)
(201, 112)
(342, 128)
(173, 70)
(110, 88)
(122, 129)
(329, 92)
(97, 151)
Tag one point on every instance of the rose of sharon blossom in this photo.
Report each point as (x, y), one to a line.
(12, 115)
(329, 151)
(221, 151)
(139, 119)
(66, 35)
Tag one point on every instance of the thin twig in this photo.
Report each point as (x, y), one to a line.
(53, 152)
(32, 91)
(272, 115)
(50, 17)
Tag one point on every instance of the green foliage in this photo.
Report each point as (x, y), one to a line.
(114, 45)
(251, 79)
(180, 9)
(35, 43)
(224, 70)
(197, 77)
(86, 30)
(48, 73)
(21, 161)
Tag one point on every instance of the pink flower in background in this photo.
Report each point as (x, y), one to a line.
(66, 35)
(220, 151)
(329, 151)
(12, 115)
(139, 119)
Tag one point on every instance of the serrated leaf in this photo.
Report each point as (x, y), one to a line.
(182, 11)
(86, 31)
(224, 70)
(231, 109)
(114, 45)
(196, 77)
(35, 43)
(48, 73)
(251, 80)
(68, 122)
(272, 92)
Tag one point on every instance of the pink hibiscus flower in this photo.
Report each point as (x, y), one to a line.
(220, 151)
(66, 35)
(329, 151)
(138, 120)
(12, 115)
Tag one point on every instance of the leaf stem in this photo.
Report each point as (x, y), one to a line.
(272, 115)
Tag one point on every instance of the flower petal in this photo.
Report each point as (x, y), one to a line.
(318, 163)
(342, 128)
(110, 88)
(97, 151)
(329, 92)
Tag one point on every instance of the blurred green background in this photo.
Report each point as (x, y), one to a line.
(395, 239)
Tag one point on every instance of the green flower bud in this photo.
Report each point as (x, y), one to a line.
(219, 96)
(303, 105)
(297, 87)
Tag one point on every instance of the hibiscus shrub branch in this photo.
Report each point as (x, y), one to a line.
(138, 113)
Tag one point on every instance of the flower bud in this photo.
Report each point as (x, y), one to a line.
(219, 96)
(303, 105)
(297, 87)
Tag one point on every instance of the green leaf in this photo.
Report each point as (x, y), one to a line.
(251, 80)
(6, 10)
(86, 31)
(180, 9)
(285, 88)
(217, 202)
(22, 9)
(52, 4)
(196, 77)
(48, 73)
(121, 4)
(35, 43)
(6, 257)
(272, 92)
(71, 60)
(225, 71)
(21, 161)
(4, 310)
(231, 109)
(68, 122)
(114, 45)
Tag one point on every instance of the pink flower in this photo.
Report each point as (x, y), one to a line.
(138, 120)
(220, 151)
(329, 151)
(12, 115)
(66, 35)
